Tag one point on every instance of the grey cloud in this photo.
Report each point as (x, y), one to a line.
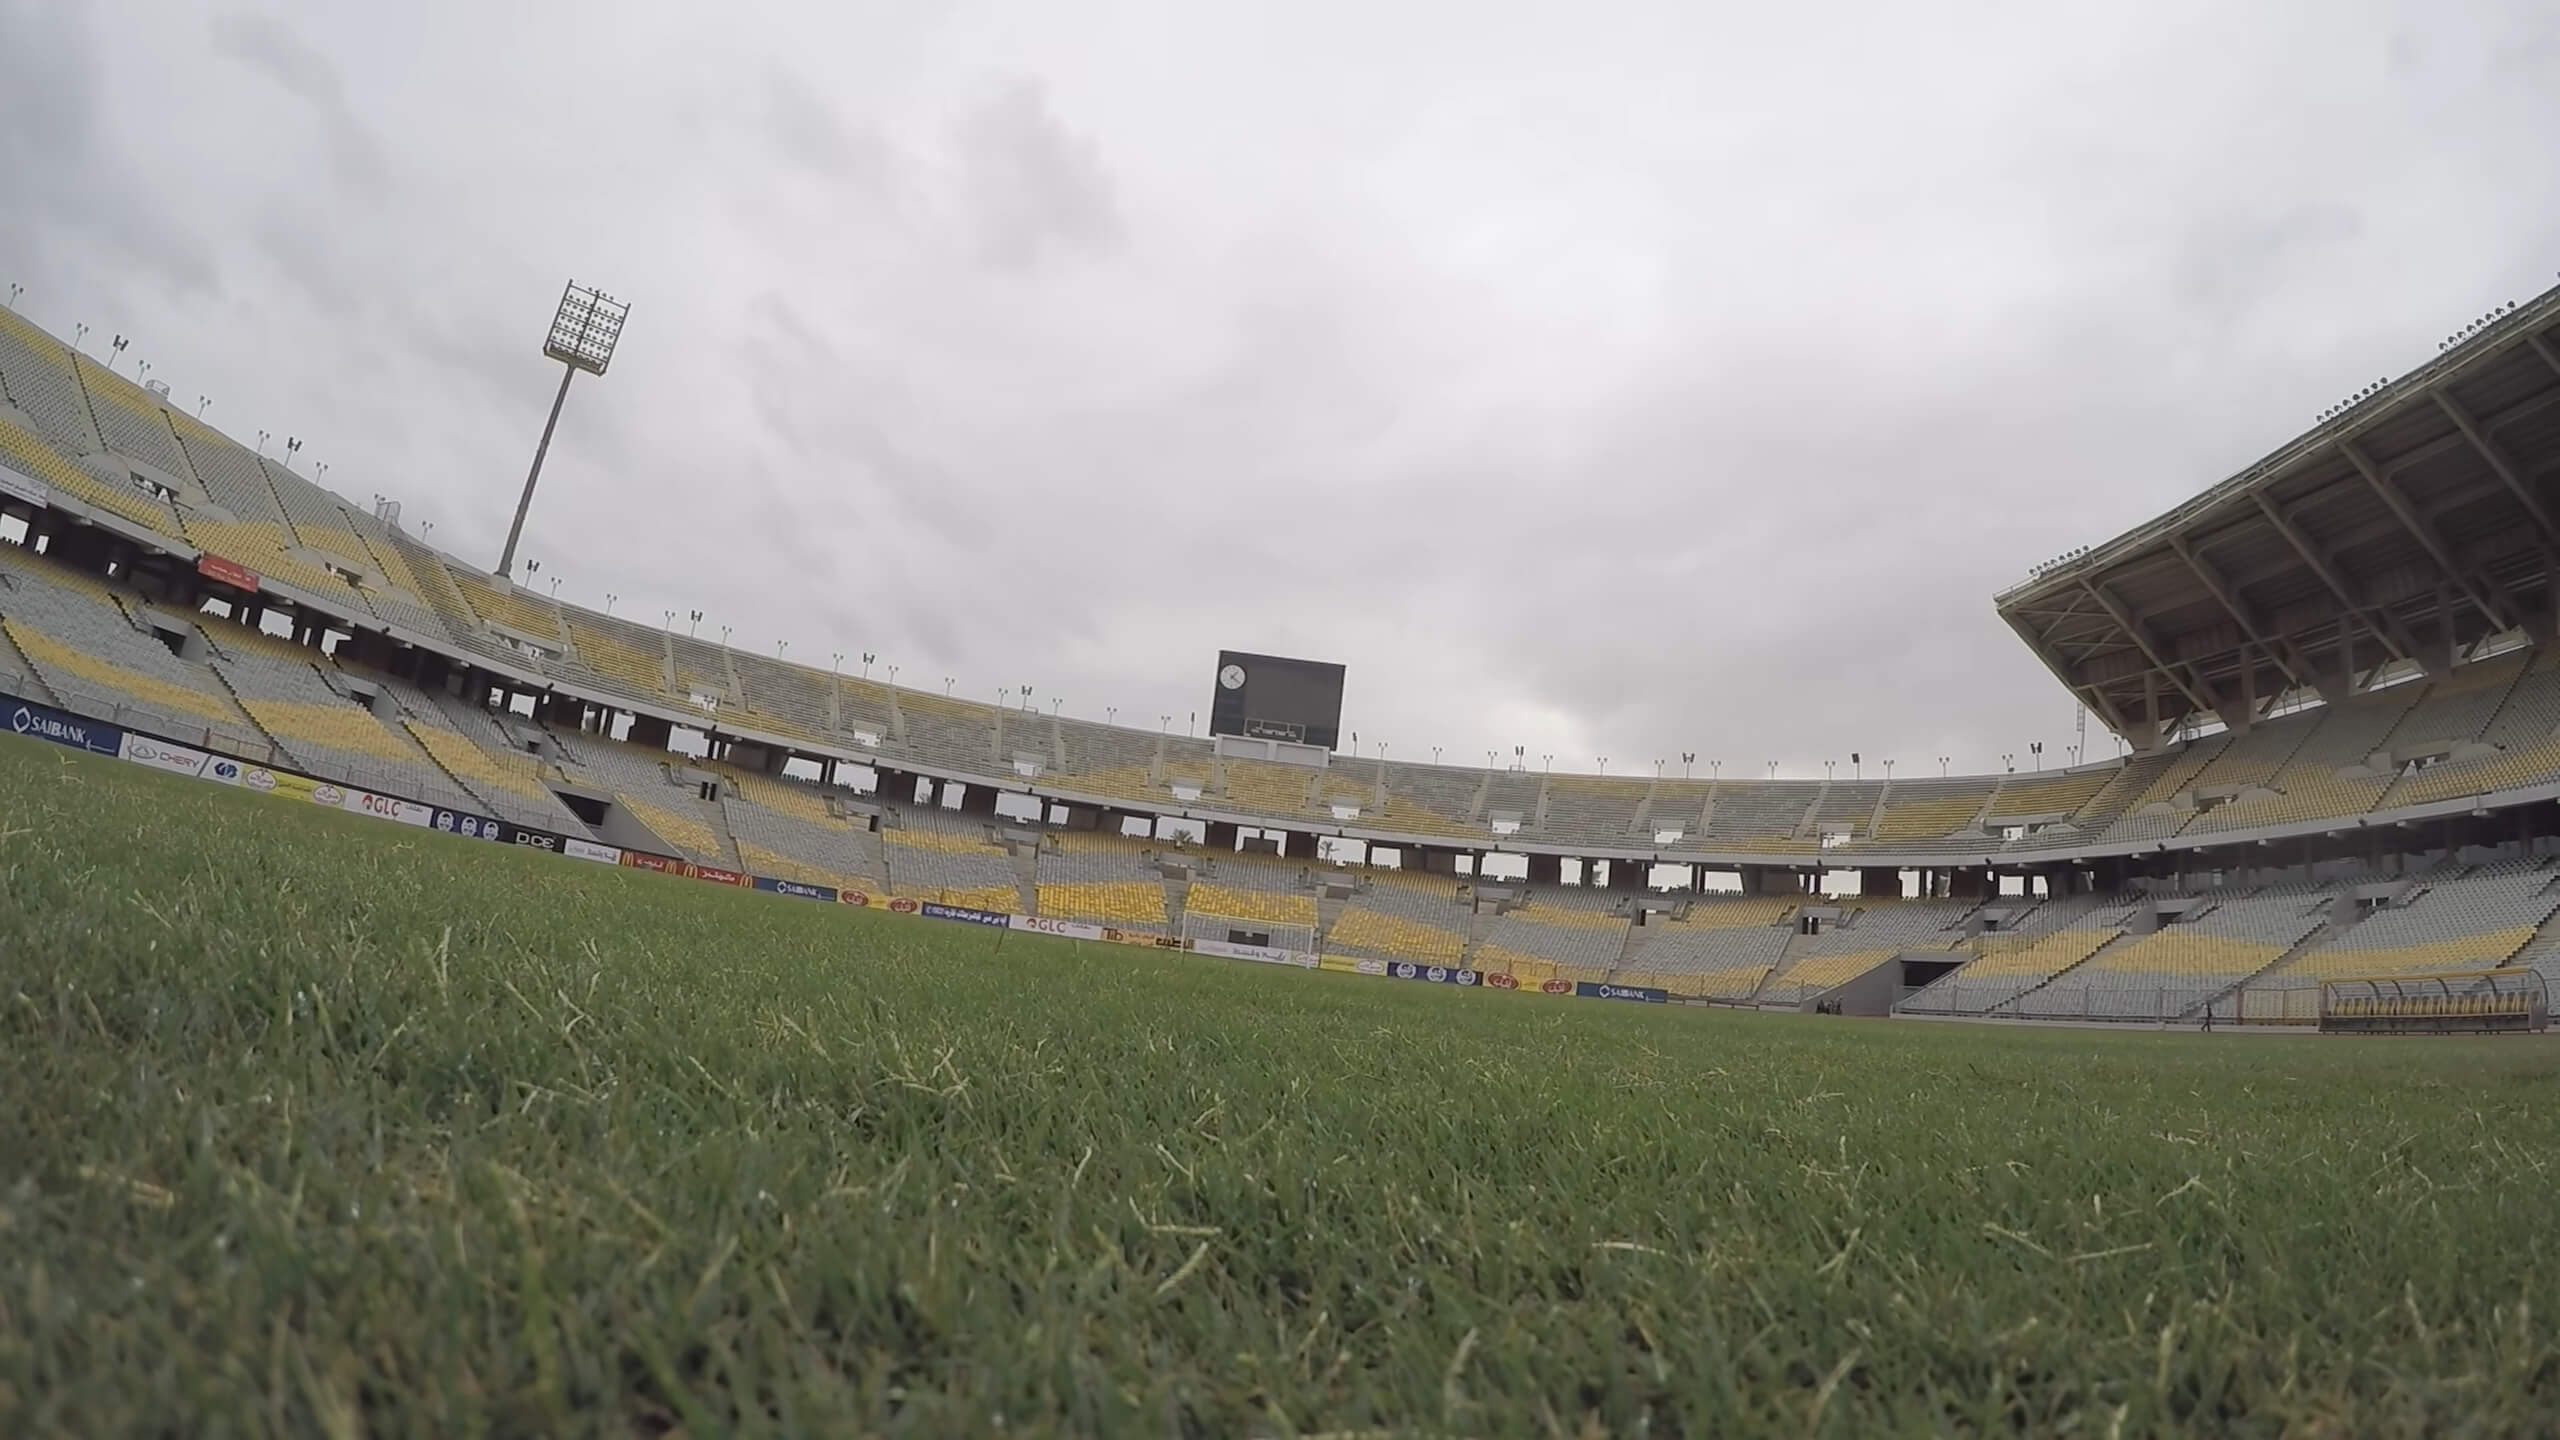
(75, 197)
(805, 129)
(1033, 188)
(269, 47)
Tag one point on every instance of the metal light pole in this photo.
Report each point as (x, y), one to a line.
(583, 332)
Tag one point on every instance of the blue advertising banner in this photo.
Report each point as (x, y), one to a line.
(1645, 993)
(963, 912)
(1434, 974)
(26, 717)
(772, 886)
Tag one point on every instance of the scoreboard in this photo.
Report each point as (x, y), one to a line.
(1268, 697)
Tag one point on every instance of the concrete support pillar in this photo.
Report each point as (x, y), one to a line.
(1299, 845)
(1221, 838)
(978, 800)
(1546, 869)
(1972, 884)
(650, 731)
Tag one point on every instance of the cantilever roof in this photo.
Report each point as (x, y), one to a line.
(2415, 523)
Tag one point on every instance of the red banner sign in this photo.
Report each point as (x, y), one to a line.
(1557, 987)
(1501, 982)
(718, 876)
(854, 897)
(228, 572)
(643, 860)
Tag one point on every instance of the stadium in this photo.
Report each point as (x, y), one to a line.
(2330, 673)
(431, 1005)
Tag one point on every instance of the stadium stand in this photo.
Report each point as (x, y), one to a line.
(2008, 965)
(1763, 817)
(1592, 809)
(623, 657)
(1580, 936)
(1846, 808)
(1919, 811)
(231, 476)
(77, 637)
(2168, 972)
(787, 828)
(36, 379)
(1868, 933)
(2519, 745)
(2065, 794)
(1722, 948)
(2155, 812)
(1255, 889)
(2463, 922)
(1104, 879)
(1800, 981)
(24, 450)
(654, 789)
(1402, 915)
(499, 604)
(130, 420)
(2330, 775)
(1424, 799)
(934, 854)
(286, 689)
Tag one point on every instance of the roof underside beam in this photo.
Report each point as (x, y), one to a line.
(2231, 605)
(2327, 572)
(2095, 697)
(2423, 533)
(2497, 460)
(2543, 348)
(2142, 642)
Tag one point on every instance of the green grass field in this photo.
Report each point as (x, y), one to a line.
(312, 1124)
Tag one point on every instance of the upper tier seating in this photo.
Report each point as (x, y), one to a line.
(2459, 922)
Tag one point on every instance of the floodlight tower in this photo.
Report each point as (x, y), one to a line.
(582, 336)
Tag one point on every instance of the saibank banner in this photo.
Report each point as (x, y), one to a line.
(26, 717)
(1646, 993)
(964, 913)
(772, 886)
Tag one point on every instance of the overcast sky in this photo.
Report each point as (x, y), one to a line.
(1606, 380)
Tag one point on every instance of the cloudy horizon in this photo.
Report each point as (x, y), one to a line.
(1614, 381)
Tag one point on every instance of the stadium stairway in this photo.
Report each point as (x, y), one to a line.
(1026, 875)
(18, 674)
(2541, 954)
(2224, 1002)
(2008, 1008)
